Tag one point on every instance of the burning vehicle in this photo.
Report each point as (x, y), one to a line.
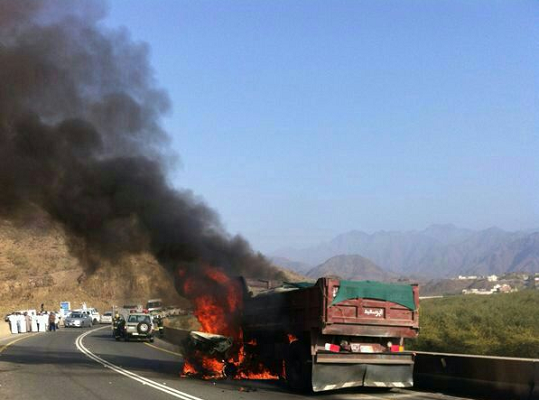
(328, 335)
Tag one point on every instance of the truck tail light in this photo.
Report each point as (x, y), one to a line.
(395, 348)
(332, 347)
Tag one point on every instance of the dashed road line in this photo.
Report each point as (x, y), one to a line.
(145, 381)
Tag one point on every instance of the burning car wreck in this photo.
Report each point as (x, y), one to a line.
(204, 351)
(328, 335)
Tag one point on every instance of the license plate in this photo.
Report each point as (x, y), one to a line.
(135, 334)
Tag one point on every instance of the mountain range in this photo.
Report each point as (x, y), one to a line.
(353, 267)
(436, 252)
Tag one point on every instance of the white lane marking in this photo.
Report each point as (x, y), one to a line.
(5, 346)
(129, 374)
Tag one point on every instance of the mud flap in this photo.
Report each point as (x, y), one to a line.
(338, 376)
(389, 376)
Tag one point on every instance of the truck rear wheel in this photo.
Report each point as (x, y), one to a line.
(298, 367)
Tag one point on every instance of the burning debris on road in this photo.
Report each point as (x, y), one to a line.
(219, 351)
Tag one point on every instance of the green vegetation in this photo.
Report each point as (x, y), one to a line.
(500, 325)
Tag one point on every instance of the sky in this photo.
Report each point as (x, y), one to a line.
(301, 120)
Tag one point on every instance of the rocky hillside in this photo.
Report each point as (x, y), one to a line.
(36, 267)
(353, 267)
(299, 267)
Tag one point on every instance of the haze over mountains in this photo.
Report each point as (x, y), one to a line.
(437, 251)
(353, 267)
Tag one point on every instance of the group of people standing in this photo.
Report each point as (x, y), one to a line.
(33, 322)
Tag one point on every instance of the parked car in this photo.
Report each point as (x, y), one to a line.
(92, 313)
(78, 320)
(106, 318)
(138, 326)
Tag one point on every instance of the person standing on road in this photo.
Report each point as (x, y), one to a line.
(117, 325)
(34, 323)
(28, 322)
(159, 322)
(13, 323)
(22, 323)
(52, 322)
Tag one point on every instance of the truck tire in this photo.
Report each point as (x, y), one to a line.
(298, 367)
(151, 339)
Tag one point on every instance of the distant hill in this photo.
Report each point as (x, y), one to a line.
(296, 266)
(353, 267)
(518, 255)
(437, 251)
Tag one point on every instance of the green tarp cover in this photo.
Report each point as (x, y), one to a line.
(396, 293)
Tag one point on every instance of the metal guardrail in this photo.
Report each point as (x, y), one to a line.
(501, 378)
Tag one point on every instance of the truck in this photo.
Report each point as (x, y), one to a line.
(334, 333)
(154, 305)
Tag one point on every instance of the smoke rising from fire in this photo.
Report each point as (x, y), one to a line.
(80, 138)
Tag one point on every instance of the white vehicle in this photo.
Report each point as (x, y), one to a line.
(92, 313)
(78, 319)
(154, 305)
(106, 318)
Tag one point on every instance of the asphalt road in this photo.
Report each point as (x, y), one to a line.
(88, 364)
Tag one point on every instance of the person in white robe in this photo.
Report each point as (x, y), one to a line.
(13, 323)
(42, 319)
(33, 322)
(28, 320)
(22, 324)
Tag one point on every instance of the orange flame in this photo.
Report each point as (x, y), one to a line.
(218, 302)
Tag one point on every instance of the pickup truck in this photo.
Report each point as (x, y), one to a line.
(334, 333)
(92, 313)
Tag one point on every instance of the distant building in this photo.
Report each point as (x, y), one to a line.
(504, 288)
(492, 278)
(478, 291)
(462, 277)
(496, 289)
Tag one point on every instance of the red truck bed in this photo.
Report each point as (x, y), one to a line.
(300, 310)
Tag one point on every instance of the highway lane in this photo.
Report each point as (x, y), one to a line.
(55, 366)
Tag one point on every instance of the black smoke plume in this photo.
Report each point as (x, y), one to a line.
(81, 139)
